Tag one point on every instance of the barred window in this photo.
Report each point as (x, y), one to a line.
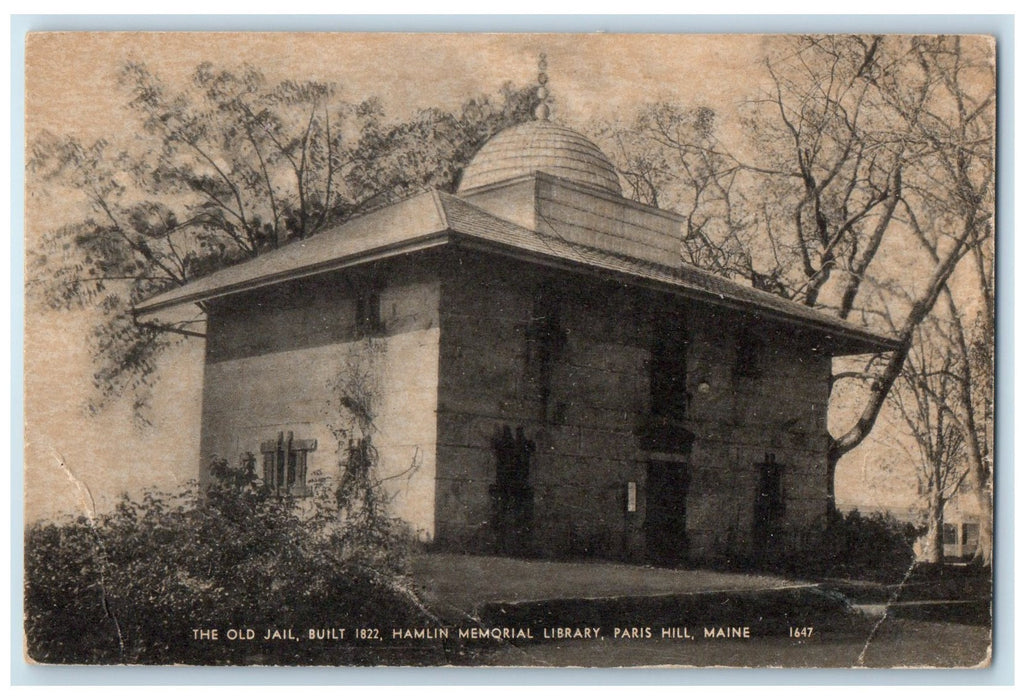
(285, 464)
(668, 367)
(750, 351)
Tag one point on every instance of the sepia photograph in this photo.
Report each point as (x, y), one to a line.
(509, 350)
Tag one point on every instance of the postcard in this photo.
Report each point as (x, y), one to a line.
(564, 350)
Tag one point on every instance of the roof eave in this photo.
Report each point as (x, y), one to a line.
(857, 341)
(176, 298)
(847, 339)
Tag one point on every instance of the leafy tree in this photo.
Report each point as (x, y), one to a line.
(220, 171)
(865, 176)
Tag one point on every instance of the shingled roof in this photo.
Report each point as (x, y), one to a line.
(435, 219)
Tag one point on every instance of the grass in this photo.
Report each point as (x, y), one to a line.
(466, 582)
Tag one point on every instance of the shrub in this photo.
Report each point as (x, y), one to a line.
(852, 545)
(131, 585)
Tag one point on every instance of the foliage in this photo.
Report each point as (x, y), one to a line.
(852, 545)
(219, 171)
(357, 388)
(131, 585)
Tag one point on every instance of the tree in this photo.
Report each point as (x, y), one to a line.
(220, 171)
(975, 389)
(959, 393)
(864, 177)
(963, 325)
(671, 157)
(921, 398)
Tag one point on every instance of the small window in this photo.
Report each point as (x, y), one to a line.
(285, 464)
(669, 368)
(546, 339)
(749, 352)
(368, 312)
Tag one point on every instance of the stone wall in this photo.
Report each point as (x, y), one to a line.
(779, 408)
(470, 346)
(278, 360)
(583, 413)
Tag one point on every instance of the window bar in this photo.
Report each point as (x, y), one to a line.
(279, 464)
(288, 464)
(300, 466)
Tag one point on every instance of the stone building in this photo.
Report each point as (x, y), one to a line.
(545, 376)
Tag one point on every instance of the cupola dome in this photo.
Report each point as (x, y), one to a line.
(540, 145)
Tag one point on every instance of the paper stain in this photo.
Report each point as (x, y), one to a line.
(89, 507)
(85, 495)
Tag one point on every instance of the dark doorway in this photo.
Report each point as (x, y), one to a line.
(769, 508)
(665, 524)
(512, 498)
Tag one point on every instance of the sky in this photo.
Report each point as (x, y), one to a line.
(76, 462)
(72, 85)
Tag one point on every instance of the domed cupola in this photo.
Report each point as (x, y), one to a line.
(540, 145)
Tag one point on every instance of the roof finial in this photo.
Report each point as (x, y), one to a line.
(543, 110)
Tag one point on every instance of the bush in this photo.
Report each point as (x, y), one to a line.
(874, 547)
(131, 585)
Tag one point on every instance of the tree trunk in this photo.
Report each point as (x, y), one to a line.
(984, 550)
(833, 455)
(978, 478)
(884, 382)
(976, 439)
(933, 553)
